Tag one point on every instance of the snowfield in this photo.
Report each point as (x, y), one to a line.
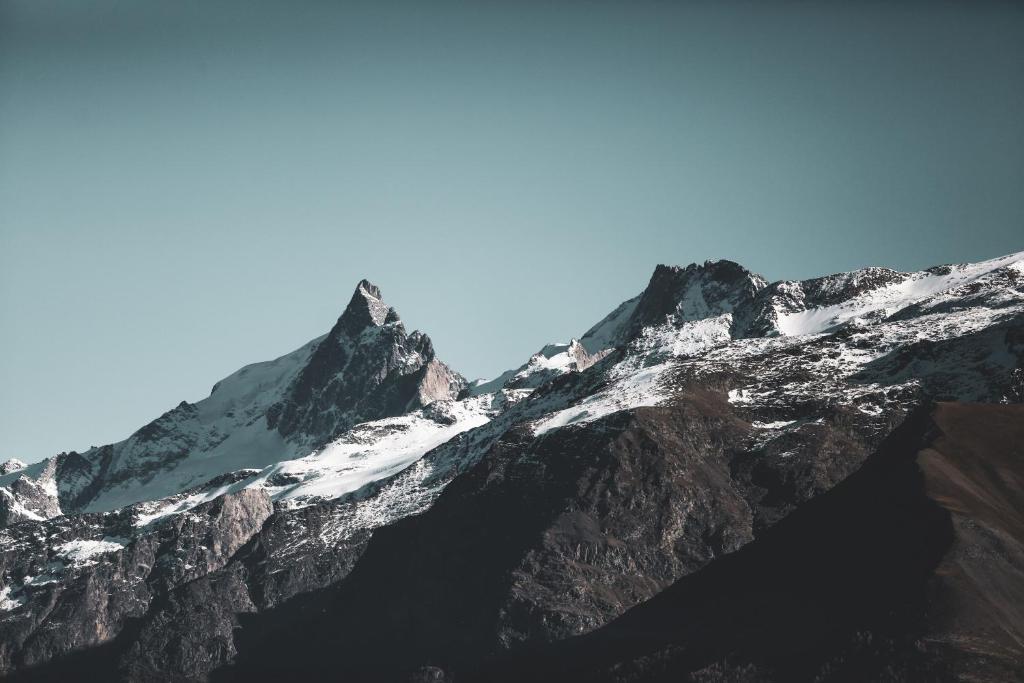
(372, 451)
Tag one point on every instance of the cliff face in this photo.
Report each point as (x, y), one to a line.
(82, 579)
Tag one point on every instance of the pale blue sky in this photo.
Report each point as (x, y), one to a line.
(186, 187)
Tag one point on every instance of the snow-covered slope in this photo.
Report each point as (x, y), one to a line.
(824, 304)
(366, 367)
(862, 325)
(637, 379)
(364, 454)
(372, 451)
(551, 361)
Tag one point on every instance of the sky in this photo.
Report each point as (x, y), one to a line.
(190, 186)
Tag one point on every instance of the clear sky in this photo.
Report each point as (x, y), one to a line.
(189, 186)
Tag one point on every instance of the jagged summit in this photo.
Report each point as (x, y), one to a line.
(367, 367)
(365, 309)
(352, 376)
(683, 293)
(674, 296)
(696, 291)
(367, 288)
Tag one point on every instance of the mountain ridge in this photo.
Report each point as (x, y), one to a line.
(704, 369)
(227, 427)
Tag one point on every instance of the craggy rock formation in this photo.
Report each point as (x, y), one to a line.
(28, 498)
(77, 581)
(367, 367)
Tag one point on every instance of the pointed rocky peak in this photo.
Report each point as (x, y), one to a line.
(365, 309)
(367, 368)
(694, 292)
(368, 289)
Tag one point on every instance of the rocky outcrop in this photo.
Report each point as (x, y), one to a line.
(28, 496)
(554, 360)
(367, 367)
(676, 295)
(437, 382)
(78, 581)
(12, 465)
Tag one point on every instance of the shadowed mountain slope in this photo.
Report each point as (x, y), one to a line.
(911, 569)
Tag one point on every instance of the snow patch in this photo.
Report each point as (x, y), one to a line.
(8, 601)
(81, 551)
(637, 380)
(773, 425)
(372, 451)
(740, 396)
(608, 332)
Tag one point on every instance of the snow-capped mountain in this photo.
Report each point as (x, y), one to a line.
(534, 507)
(366, 367)
(12, 465)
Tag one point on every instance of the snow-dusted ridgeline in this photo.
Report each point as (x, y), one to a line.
(782, 358)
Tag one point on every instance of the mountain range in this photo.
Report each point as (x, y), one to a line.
(724, 479)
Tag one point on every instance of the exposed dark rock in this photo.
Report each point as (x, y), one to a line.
(693, 292)
(63, 596)
(366, 368)
(552, 537)
(909, 570)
